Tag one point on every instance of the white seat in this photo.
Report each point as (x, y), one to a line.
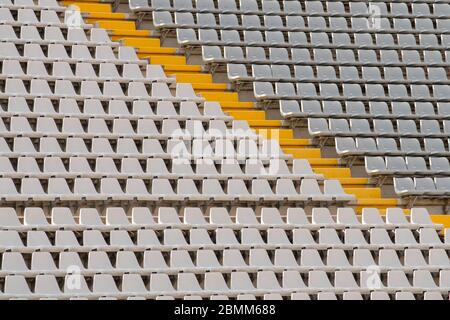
(16, 285)
(13, 261)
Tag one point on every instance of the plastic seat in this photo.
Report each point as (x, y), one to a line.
(319, 280)
(16, 284)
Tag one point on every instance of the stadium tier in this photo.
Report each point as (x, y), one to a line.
(224, 149)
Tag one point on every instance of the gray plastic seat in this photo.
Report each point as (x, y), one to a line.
(439, 164)
(345, 55)
(416, 164)
(251, 21)
(410, 146)
(323, 55)
(434, 145)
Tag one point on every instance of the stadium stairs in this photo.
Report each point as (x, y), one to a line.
(122, 26)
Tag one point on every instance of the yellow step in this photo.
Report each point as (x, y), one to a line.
(140, 42)
(303, 153)
(92, 1)
(209, 86)
(287, 135)
(377, 202)
(163, 56)
(320, 162)
(113, 24)
(247, 115)
(332, 173)
(94, 16)
(441, 219)
(236, 106)
(353, 182)
(279, 134)
(194, 78)
(120, 33)
(153, 52)
(364, 193)
(89, 7)
(172, 69)
(295, 143)
(157, 52)
(264, 124)
(191, 69)
(89, 1)
(225, 96)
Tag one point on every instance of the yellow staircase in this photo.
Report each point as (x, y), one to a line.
(122, 28)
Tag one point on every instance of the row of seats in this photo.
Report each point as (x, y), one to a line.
(221, 260)
(411, 166)
(323, 295)
(219, 149)
(145, 128)
(388, 146)
(76, 53)
(321, 127)
(238, 73)
(91, 89)
(422, 187)
(356, 109)
(33, 17)
(55, 35)
(220, 238)
(403, 253)
(113, 109)
(36, 218)
(164, 19)
(295, 39)
(264, 91)
(325, 56)
(83, 71)
(215, 283)
(154, 168)
(162, 190)
(281, 8)
(41, 4)
(81, 53)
